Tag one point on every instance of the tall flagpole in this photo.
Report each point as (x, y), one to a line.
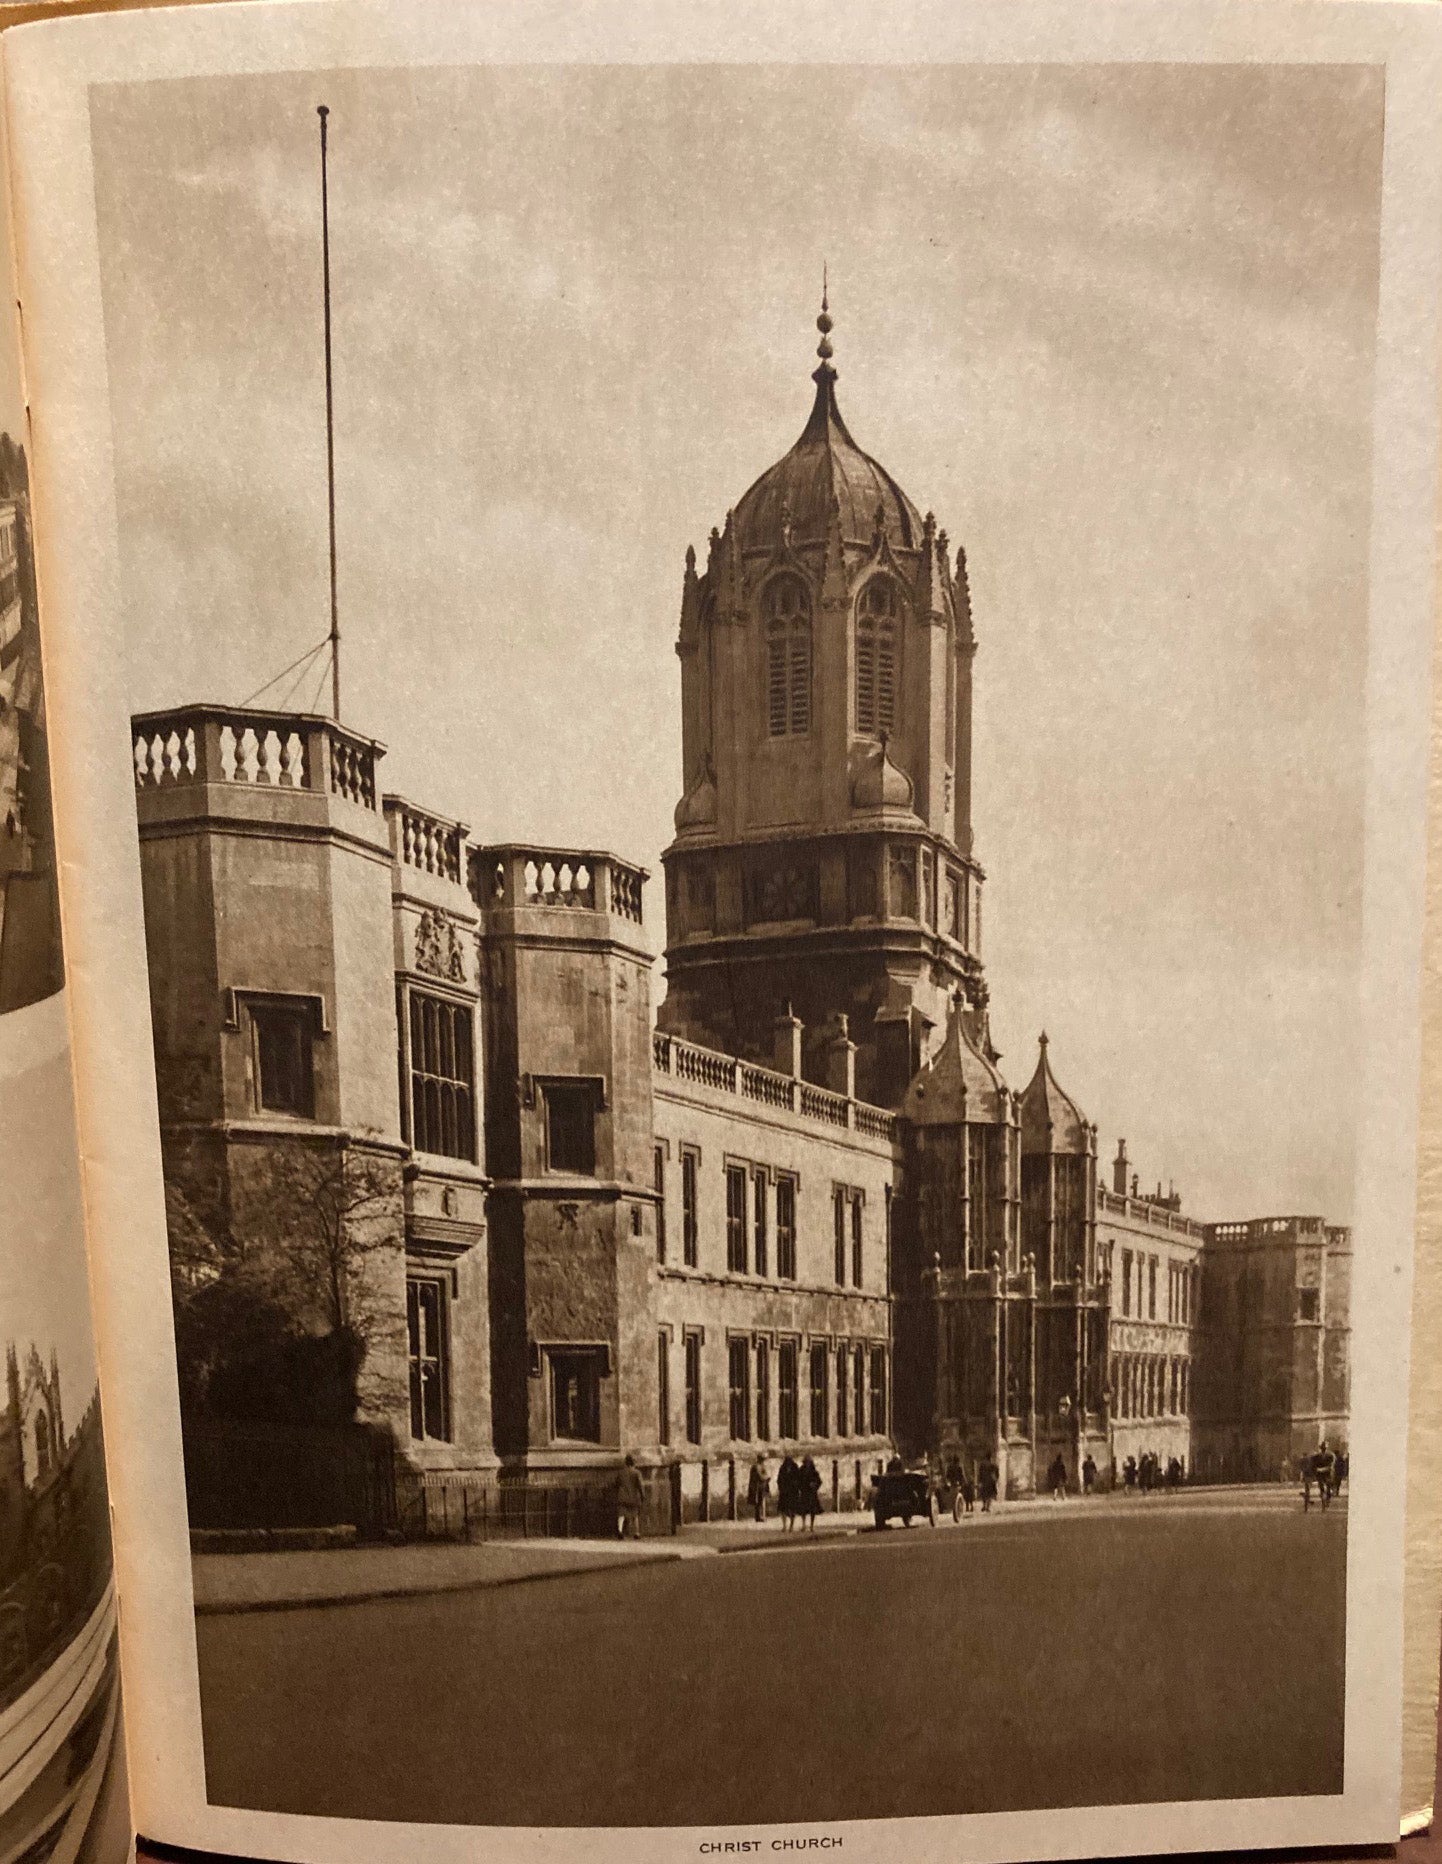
(322, 111)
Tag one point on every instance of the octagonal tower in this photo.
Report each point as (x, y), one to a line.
(823, 855)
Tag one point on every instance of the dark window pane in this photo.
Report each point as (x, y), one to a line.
(443, 1119)
(571, 1127)
(576, 1394)
(284, 1068)
(788, 1393)
(736, 1219)
(429, 1368)
(688, 1208)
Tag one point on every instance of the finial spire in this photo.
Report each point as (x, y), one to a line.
(823, 322)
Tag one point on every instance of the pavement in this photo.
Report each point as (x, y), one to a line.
(290, 1580)
(1084, 1653)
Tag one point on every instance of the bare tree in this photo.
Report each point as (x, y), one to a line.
(282, 1292)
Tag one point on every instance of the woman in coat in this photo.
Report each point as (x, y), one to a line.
(788, 1484)
(810, 1493)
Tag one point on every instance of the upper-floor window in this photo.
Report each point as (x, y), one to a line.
(787, 611)
(282, 1054)
(690, 1161)
(443, 1116)
(786, 1227)
(1126, 1281)
(877, 657)
(658, 1178)
(571, 1127)
(736, 1219)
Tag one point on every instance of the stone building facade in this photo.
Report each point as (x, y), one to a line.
(416, 1098)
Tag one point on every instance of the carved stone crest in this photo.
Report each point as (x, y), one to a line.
(438, 947)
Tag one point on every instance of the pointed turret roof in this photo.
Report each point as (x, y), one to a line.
(959, 1085)
(1051, 1121)
(793, 500)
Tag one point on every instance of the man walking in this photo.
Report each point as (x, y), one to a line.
(758, 1487)
(630, 1494)
(1089, 1474)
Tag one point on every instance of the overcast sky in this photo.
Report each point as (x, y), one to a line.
(44, 1299)
(1113, 325)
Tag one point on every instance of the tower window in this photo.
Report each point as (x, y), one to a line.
(282, 1055)
(877, 672)
(571, 1127)
(442, 1116)
(788, 658)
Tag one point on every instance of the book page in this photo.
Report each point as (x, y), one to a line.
(744, 804)
(62, 1776)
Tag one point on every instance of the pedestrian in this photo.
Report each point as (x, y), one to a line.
(990, 1481)
(1325, 1464)
(968, 1492)
(1308, 1474)
(1089, 1474)
(1344, 1466)
(810, 1493)
(758, 1487)
(630, 1493)
(1056, 1477)
(788, 1491)
(1129, 1474)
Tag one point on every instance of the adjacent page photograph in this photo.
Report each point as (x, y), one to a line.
(62, 1773)
(742, 731)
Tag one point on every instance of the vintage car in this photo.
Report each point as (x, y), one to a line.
(905, 1492)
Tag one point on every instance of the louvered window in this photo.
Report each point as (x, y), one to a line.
(788, 658)
(877, 658)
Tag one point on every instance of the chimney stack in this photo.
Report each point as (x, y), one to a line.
(841, 1060)
(787, 1040)
(1120, 1168)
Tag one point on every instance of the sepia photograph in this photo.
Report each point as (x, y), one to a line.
(749, 734)
(62, 1791)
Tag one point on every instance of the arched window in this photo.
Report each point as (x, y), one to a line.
(877, 656)
(42, 1444)
(788, 658)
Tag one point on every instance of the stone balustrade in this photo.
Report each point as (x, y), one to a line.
(1145, 1211)
(586, 880)
(428, 842)
(237, 744)
(688, 1061)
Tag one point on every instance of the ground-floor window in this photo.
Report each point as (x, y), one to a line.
(788, 1421)
(878, 1391)
(843, 1360)
(429, 1356)
(858, 1390)
(738, 1362)
(763, 1390)
(820, 1391)
(693, 1388)
(663, 1387)
(576, 1392)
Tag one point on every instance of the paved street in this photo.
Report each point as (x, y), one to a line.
(1151, 1648)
